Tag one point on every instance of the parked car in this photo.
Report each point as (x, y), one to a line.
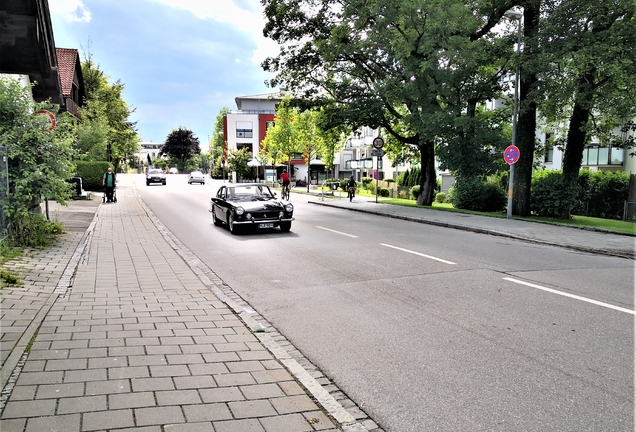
(173, 171)
(250, 206)
(155, 176)
(196, 177)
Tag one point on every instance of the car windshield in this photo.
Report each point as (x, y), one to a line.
(155, 171)
(250, 193)
(196, 174)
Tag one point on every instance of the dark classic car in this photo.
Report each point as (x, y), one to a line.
(251, 206)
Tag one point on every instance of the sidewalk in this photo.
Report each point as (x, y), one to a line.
(585, 240)
(118, 328)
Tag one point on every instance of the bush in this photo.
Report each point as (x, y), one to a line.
(366, 181)
(33, 230)
(440, 197)
(370, 187)
(414, 192)
(474, 194)
(385, 192)
(92, 174)
(450, 198)
(389, 180)
(549, 197)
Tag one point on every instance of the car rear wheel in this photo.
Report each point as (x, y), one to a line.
(285, 226)
(215, 220)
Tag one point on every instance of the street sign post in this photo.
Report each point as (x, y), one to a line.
(511, 156)
(377, 151)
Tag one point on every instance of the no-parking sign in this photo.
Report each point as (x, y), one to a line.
(511, 154)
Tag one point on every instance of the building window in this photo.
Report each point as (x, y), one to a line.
(549, 148)
(247, 146)
(244, 129)
(269, 124)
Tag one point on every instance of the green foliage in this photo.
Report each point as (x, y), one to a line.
(40, 161)
(440, 197)
(410, 177)
(9, 279)
(105, 117)
(92, 174)
(597, 194)
(366, 181)
(7, 251)
(181, 144)
(414, 192)
(384, 192)
(451, 195)
(237, 161)
(389, 180)
(473, 193)
(33, 230)
(370, 186)
(549, 196)
(605, 195)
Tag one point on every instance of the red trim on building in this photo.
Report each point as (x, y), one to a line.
(263, 119)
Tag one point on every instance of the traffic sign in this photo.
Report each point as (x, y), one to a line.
(511, 155)
(378, 143)
(376, 152)
(51, 118)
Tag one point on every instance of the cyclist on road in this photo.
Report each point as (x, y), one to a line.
(284, 179)
(351, 188)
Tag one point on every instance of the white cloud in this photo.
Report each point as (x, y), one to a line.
(70, 10)
(246, 15)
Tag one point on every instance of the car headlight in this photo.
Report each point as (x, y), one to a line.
(239, 211)
(289, 208)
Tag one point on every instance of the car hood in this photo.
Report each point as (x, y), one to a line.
(258, 205)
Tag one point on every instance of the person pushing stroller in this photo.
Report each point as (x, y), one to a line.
(109, 181)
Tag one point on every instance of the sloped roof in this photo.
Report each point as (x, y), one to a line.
(67, 59)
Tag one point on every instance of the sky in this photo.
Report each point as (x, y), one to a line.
(180, 61)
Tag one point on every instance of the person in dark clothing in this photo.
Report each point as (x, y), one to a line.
(109, 181)
(351, 188)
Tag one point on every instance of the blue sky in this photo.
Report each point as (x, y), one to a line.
(181, 61)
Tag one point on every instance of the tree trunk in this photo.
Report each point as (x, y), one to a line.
(427, 178)
(527, 120)
(576, 139)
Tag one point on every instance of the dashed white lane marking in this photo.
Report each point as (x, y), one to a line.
(417, 253)
(337, 232)
(585, 299)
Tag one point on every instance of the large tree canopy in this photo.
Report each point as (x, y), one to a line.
(415, 68)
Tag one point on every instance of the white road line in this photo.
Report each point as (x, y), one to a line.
(420, 254)
(607, 305)
(337, 232)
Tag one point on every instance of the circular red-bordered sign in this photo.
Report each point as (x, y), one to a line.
(511, 154)
(51, 117)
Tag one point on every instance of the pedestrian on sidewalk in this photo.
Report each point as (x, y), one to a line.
(109, 181)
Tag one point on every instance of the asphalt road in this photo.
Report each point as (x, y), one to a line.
(428, 328)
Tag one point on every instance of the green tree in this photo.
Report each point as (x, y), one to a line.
(421, 65)
(281, 139)
(237, 161)
(590, 81)
(40, 161)
(105, 117)
(217, 142)
(181, 144)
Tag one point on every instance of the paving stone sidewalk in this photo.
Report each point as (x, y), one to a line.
(114, 330)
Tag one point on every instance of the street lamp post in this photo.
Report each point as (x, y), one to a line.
(517, 16)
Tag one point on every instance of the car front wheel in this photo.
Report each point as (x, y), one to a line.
(230, 223)
(285, 226)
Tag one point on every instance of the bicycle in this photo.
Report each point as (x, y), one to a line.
(285, 193)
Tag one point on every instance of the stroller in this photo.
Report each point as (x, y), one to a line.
(114, 197)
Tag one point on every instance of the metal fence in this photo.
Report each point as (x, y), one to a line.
(629, 212)
(4, 189)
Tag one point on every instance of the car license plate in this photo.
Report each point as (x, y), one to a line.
(266, 225)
